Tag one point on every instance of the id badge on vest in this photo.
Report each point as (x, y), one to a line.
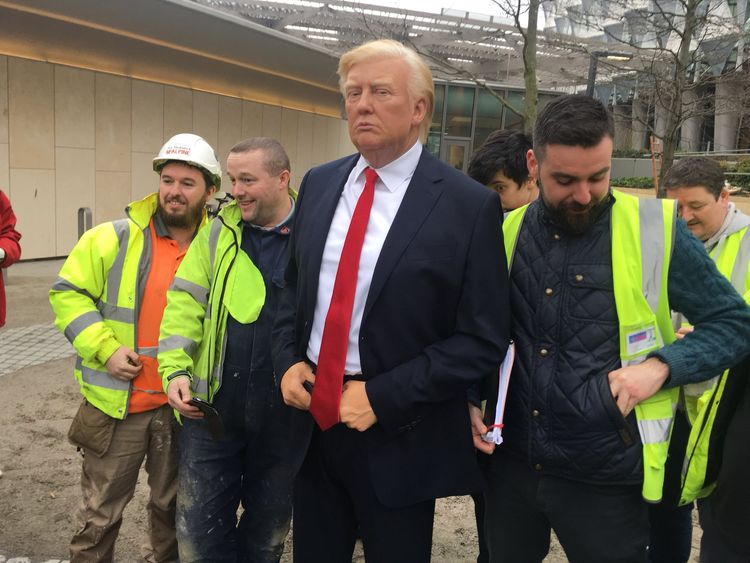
(639, 341)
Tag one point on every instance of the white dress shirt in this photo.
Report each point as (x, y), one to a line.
(390, 188)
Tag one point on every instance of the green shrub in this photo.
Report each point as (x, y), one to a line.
(630, 153)
(644, 182)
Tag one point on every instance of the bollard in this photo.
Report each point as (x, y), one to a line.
(84, 220)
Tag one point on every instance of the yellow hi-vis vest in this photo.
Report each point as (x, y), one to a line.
(215, 279)
(97, 297)
(642, 239)
(732, 257)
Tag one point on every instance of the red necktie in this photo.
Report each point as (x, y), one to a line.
(329, 375)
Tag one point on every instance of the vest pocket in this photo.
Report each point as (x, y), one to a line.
(590, 293)
(620, 423)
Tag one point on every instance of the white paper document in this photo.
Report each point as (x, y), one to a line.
(495, 431)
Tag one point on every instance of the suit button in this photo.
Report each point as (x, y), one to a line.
(579, 278)
(538, 467)
(544, 352)
(535, 413)
(548, 291)
(556, 236)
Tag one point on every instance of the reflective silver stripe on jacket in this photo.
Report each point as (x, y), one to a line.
(742, 263)
(651, 219)
(148, 351)
(178, 342)
(213, 240)
(81, 323)
(200, 294)
(64, 285)
(654, 431)
(200, 386)
(115, 313)
(100, 378)
(114, 277)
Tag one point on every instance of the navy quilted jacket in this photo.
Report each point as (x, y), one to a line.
(560, 415)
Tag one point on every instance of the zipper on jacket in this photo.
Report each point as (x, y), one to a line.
(220, 312)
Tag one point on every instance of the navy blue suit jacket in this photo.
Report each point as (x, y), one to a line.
(436, 321)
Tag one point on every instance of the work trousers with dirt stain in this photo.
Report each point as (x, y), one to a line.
(253, 465)
(108, 483)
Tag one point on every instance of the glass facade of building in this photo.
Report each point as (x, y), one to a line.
(465, 114)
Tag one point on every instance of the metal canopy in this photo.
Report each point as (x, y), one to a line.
(487, 47)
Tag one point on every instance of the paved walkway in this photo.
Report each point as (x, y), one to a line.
(30, 346)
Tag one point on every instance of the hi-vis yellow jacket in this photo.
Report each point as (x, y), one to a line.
(702, 401)
(216, 278)
(96, 300)
(642, 238)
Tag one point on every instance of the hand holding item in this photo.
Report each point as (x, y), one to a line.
(478, 430)
(292, 386)
(124, 364)
(179, 397)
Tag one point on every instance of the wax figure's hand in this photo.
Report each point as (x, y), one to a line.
(633, 384)
(124, 364)
(295, 395)
(479, 429)
(355, 410)
(683, 330)
(178, 395)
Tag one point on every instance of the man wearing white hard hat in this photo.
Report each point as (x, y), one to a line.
(108, 301)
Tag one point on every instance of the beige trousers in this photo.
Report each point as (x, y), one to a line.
(108, 484)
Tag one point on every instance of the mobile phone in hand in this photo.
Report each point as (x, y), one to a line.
(211, 417)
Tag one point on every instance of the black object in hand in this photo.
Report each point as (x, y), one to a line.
(308, 385)
(210, 416)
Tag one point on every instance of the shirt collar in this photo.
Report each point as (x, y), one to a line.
(394, 173)
(161, 230)
(282, 228)
(159, 227)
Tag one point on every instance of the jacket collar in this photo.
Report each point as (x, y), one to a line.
(141, 211)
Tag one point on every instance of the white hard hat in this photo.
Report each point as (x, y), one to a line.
(193, 150)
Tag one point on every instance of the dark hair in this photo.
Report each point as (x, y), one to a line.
(206, 176)
(695, 171)
(503, 151)
(275, 158)
(573, 120)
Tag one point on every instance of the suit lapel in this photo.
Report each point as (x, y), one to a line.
(324, 209)
(422, 194)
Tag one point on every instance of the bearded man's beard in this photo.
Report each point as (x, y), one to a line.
(189, 219)
(574, 217)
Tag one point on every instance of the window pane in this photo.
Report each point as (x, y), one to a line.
(437, 115)
(512, 119)
(489, 116)
(433, 144)
(460, 109)
(456, 156)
